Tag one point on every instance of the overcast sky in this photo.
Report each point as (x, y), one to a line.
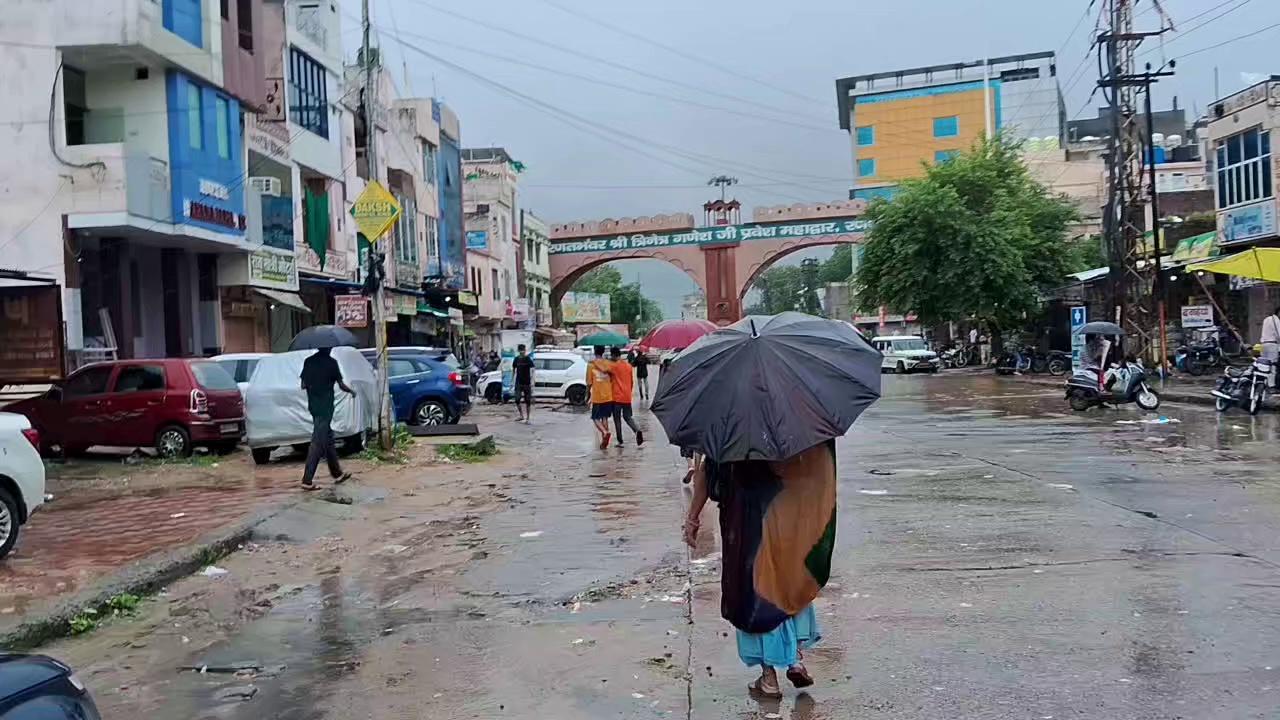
(595, 150)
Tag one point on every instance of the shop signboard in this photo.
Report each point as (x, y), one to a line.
(375, 211)
(582, 331)
(31, 342)
(351, 311)
(1248, 222)
(1197, 316)
(477, 240)
(585, 308)
(273, 270)
(1079, 316)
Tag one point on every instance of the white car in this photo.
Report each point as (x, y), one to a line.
(905, 353)
(275, 407)
(21, 477)
(557, 375)
(240, 366)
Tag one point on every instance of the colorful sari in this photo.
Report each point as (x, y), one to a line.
(778, 524)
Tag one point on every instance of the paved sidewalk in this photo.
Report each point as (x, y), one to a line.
(70, 543)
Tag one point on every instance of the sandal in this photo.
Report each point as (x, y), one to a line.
(308, 487)
(799, 676)
(342, 478)
(758, 689)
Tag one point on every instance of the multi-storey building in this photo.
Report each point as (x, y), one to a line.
(537, 267)
(492, 237)
(900, 119)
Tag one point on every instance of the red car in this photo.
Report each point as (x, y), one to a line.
(172, 405)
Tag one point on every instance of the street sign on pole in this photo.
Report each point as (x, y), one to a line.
(1079, 316)
(375, 211)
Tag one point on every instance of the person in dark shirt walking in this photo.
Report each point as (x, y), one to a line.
(640, 361)
(522, 366)
(320, 373)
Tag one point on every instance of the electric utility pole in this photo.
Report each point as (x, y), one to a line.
(380, 292)
(1125, 214)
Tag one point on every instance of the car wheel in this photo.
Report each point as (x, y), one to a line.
(354, 444)
(261, 456)
(493, 393)
(430, 413)
(577, 396)
(1057, 367)
(173, 441)
(8, 522)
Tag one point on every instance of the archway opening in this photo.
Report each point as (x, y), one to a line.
(813, 278)
(640, 292)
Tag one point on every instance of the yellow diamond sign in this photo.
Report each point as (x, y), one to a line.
(375, 211)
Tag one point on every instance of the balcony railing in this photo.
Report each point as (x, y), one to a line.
(119, 179)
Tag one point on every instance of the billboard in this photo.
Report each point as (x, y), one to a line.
(31, 346)
(585, 308)
(582, 331)
(477, 240)
(451, 263)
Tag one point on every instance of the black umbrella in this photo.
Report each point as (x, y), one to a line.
(1099, 328)
(767, 387)
(323, 336)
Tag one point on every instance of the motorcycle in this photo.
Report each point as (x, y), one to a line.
(1058, 363)
(956, 356)
(1125, 383)
(1246, 387)
(1195, 358)
(1013, 361)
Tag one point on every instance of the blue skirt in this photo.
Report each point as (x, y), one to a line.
(777, 648)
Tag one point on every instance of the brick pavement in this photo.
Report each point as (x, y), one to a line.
(64, 549)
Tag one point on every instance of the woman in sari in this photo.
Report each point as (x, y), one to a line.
(777, 528)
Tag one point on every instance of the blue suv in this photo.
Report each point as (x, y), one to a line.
(424, 389)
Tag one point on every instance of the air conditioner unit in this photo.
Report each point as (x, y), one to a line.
(265, 185)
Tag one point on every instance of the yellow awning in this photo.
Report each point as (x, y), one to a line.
(1257, 263)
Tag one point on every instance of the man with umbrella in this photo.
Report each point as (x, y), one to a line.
(764, 400)
(320, 372)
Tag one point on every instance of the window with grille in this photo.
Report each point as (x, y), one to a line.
(429, 162)
(406, 231)
(1244, 168)
(308, 93)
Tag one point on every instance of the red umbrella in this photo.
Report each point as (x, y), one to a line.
(676, 334)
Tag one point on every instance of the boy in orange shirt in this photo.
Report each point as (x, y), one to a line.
(599, 377)
(623, 382)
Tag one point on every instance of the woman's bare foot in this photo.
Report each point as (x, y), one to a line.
(766, 685)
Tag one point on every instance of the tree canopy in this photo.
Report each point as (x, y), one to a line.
(626, 302)
(782, 287)
(977, 236)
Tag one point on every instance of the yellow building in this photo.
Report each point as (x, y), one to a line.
(900, 121)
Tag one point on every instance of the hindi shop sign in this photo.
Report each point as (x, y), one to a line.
(31, 344)
(713, 235)
(1197, 316)
(350, 311)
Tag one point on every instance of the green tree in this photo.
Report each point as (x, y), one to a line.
(781, 288)
(975, 237)
(839, 267)
(626, 302)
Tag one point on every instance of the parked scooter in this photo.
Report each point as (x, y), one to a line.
(1013, 360)
(1246, 387)
(1198, 357)
(1123, 382)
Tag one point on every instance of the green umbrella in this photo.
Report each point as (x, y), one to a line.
(604, 338)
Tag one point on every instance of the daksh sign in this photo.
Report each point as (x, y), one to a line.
(375, 211)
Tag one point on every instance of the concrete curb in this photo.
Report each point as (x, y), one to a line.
(142, 577)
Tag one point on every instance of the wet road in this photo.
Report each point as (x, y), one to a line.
(997, 557)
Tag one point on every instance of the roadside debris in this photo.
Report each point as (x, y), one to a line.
(214, 571)
(874, 492)
(531, 534)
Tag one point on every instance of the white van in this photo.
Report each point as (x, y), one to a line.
(906, 353)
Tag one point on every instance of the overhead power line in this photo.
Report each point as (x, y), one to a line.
(1229, 41)
(560, 47)
(578, 13)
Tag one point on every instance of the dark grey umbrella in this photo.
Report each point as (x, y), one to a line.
(323, 336)
(1099, 328)
(767, 387)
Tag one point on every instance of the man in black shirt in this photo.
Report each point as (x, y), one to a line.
(640, 361)
(522, 366)
(320, 373)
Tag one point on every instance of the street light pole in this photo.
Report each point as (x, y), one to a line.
(380, 293)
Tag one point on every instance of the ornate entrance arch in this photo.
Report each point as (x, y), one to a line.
(723, 260)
